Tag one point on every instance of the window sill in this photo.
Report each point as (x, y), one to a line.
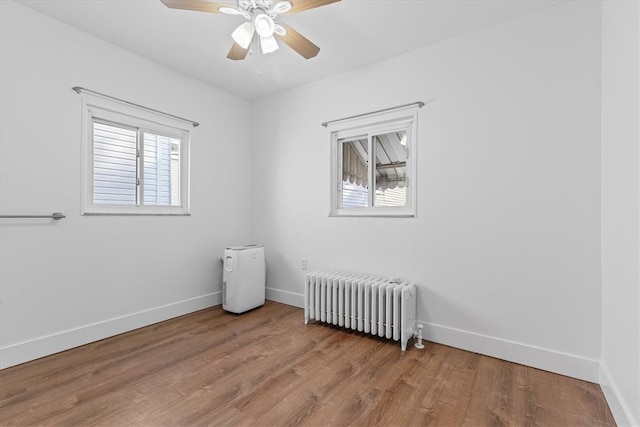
(378, 213)
(133, 214)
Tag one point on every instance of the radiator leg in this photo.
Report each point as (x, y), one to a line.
(419, 343)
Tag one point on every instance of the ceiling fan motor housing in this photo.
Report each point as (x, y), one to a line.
(254, 8)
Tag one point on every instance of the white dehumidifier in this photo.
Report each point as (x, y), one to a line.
(243, 278)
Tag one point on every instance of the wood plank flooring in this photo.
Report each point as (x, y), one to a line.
(266, 368)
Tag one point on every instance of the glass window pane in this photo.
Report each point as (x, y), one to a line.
(114, 164)
(391, 169)
(161, 170)
(175, 173)
(355, 181)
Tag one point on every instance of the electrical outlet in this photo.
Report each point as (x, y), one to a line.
(303, 264)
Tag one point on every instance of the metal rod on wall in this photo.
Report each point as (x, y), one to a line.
(420, 104)
(79, 89)
(55, 215)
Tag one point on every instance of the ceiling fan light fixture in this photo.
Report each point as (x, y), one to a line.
(264, 25)
(268, 44)
(243, 34)
(283, 6)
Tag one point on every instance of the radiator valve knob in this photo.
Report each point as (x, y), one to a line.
(419, 344)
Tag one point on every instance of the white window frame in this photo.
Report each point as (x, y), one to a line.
(107, 110)
(405, 119)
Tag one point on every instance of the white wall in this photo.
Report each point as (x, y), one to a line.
(620, 376)
(70, 282)
(506, 244)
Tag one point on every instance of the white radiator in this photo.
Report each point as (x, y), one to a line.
(364, 303)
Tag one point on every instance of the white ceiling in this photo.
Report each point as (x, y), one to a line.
(350, 33)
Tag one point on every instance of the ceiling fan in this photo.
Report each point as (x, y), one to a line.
(260, 18)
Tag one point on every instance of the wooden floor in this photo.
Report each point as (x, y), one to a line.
(266, 368)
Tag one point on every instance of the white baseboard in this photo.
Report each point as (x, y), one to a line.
(285, 297)
(616, 402)
(549, 360)
(43, 346)
(541, 358)
(553, 361)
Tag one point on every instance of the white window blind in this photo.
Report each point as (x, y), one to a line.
(161, 178)
(133, 164)
(114, 164)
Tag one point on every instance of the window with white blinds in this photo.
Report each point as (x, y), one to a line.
(134, 166)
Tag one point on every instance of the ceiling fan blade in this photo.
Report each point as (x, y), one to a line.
(298, 42)
(300, 5)
(197, 5)
(237, 52)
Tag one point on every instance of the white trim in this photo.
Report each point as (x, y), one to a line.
(377, 117)
(419, 104)
(558, 362)
(389, 211)
(25, 351)
(285, 297)
(621, 412)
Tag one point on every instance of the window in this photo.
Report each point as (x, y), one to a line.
(136, 162)
(373, 164)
